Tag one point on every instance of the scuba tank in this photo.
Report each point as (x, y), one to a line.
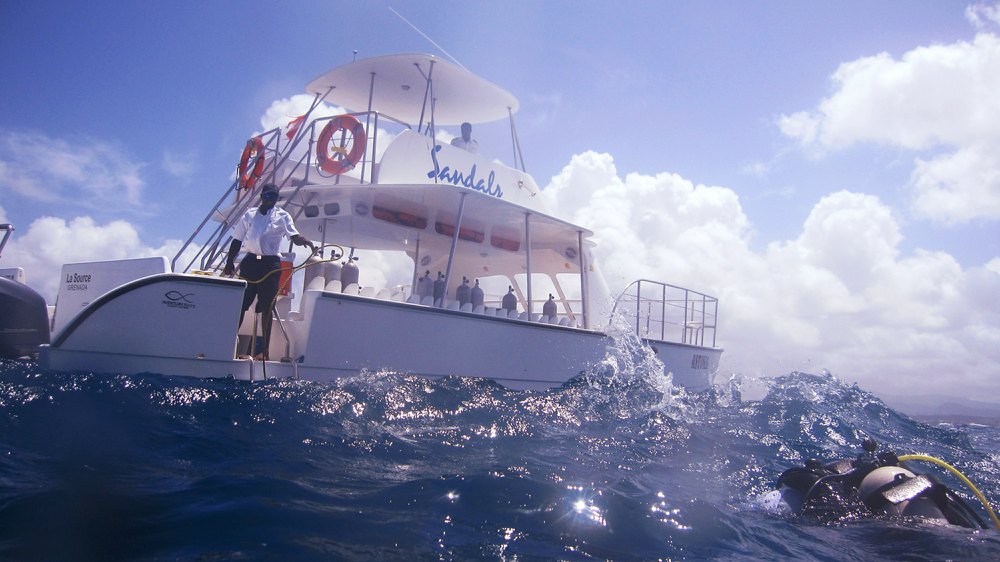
(872, 483)
(332, 270)
(314, 273)
(425, 287)
(349, 272)
(463, 293)
(509, 301)
(549, 308)
(439, 287)
(476, 295)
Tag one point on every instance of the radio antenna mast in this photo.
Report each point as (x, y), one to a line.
(424, 35)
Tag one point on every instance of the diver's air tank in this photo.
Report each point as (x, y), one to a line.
(332, 270)
(349, 273)
(425, 287)
(549, 308)
(476, 294)
(314, 274)
(439, 287)
(907, 498)
(509, 301)
(463, 293)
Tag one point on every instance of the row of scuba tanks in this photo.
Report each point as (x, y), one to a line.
(473, 295)
(316, 267)
(348, 273)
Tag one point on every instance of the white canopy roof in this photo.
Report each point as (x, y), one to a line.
(400, 84)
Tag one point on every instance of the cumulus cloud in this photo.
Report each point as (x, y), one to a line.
(939, 99)
(282, 111)
(839, 295)
(983, 15)
(961, 186)
(85, 171)
(49, 242)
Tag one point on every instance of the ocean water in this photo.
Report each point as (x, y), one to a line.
(616, 464)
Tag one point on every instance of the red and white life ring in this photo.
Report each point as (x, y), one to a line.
(331, 164)
(249, 174)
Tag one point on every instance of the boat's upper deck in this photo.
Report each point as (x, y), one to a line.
(410, 88)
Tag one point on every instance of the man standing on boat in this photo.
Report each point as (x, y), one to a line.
(466, 142)
(261, 230)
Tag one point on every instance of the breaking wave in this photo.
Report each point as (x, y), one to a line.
(616, 464)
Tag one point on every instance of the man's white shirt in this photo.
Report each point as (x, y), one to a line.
(261, 234)
(471, 145)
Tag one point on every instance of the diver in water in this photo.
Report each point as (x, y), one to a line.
(873, 484)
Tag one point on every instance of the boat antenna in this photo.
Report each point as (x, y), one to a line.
(432, 42)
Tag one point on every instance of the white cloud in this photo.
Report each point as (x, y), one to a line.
(961, 186)
(839, 295)
(79, 170)
(940, 98)
(282, 111)
(178, 164)
(49, 242)
(982, 15)
(757, 169)
(625, 214)
(800, 125)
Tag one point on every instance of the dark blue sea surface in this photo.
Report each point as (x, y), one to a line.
(616, 464)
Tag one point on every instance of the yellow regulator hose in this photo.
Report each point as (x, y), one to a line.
(961, 477)
(303, 265)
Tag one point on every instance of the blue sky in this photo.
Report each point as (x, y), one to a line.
(812, 128)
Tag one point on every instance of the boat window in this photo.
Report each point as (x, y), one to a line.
(570, 285)
(399, 217)
(331, 209)
(541, 287)
(505, 239)
(311, 211)
(494, 288)
(464, 233)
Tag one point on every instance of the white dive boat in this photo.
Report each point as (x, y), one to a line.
(379, 181)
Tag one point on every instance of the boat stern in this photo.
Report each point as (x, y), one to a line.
(184, 322)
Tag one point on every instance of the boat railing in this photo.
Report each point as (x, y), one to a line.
(366, 166)
(7, 230)
(668, 313)
(282, 164)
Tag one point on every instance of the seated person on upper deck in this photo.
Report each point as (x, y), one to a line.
(466, 142)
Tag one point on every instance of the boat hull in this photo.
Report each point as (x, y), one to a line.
(24, 323)
(186, 325)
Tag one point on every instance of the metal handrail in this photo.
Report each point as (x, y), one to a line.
(215, 245)
(8, 229)
(695, 313)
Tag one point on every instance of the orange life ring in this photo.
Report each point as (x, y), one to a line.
(329, 163)
(249, 176)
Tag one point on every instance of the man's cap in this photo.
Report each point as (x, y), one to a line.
(269, 191)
